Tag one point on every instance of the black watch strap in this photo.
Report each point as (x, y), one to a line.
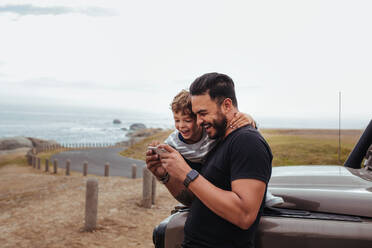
(164, 179)
(191, 176)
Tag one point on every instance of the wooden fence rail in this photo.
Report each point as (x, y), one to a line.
(75, 146)
(149, 181)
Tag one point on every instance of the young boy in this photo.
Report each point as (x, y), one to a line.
(193, 143)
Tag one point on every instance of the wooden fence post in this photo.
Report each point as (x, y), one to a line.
(134, 171)
(85, 168)
(46, 165)
(107, 169)
(33, 161)
(38, 163)
(91, 204)
(153, 189)
(68, 163)
(146, 188)
(55, 166)
(29, 158)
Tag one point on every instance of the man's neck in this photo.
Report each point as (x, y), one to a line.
(229, 117)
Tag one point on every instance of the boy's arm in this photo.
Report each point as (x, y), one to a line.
(241, 120)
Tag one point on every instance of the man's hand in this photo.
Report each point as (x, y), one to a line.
(240, 120)
(174, 163)
(153, 162)
(170, 159)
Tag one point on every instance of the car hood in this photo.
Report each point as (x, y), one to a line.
(332, 189)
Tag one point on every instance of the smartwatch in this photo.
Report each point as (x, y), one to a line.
(191, 176)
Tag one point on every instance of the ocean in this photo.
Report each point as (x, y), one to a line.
(83, 125)
(74, 125)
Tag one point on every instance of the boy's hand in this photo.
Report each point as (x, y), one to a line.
(153, 162)
(241, 120)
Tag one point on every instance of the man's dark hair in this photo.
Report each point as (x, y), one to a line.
(218, 86)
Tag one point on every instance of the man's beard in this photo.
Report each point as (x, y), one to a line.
(220, 125)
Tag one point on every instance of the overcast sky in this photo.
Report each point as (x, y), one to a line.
(287, 58)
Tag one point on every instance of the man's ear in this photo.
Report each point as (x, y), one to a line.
(226, 105)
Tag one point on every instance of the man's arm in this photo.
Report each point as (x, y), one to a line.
(180, 192)
(238, 206)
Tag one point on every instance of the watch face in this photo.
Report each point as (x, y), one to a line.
(193, 174)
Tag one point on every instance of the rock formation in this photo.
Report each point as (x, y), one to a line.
(23, 144)
(143, 132)
(137, 126)
(14, 143)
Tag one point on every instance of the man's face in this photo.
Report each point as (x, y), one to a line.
(209, 115)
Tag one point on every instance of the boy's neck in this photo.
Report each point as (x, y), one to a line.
(191, 141)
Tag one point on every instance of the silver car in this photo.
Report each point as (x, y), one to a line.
(324, 206)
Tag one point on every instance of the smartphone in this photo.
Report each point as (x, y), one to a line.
(156, 149)
(152, 148)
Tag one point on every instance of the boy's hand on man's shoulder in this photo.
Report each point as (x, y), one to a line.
(242, 119)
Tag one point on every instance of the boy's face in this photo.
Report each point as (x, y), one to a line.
(187, 126)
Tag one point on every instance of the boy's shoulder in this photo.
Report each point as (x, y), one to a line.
(172, 138)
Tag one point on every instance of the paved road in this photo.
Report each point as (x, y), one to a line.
(97, 157)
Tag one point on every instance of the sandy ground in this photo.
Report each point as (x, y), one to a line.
(45, 210)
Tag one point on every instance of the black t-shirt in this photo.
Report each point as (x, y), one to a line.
(244, 154)
(194, 165)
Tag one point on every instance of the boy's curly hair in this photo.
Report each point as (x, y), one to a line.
(182, 103)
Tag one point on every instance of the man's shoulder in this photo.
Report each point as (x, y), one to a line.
(245, 134)
(248, 139)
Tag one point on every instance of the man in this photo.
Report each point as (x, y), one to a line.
(232, 184)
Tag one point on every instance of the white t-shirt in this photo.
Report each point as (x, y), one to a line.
(192, 152)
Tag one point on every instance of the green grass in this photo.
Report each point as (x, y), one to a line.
(295, 150)
(20, 160)
(138, 150)
(45, 155)
(289, 147)
(17, 161)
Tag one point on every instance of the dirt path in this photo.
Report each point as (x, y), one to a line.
(45, 210)
(96, 158)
